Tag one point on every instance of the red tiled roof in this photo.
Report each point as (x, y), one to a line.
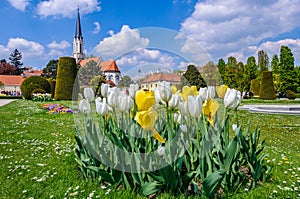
(109, 65)
(85, 61)
(29, 73)
(11, 80)
(163, 77)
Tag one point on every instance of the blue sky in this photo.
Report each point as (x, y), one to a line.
(44, 30)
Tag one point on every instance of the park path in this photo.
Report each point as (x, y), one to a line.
(5, 101)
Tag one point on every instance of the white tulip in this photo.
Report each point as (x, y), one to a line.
(174, 101)
(183, 106)
(234, 127)
(165, 91)
(211, 92)
(89, 94)
(161, 150)
(194, 105)
(113, 94)
(183, 128)
(102, 108)
(84, 106)
(203, 93)
(104, 89)
(232, 98)
(177, 118)
(157, 96)
(125, 103)
(132, 90)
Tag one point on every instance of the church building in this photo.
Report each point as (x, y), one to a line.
(108, 68)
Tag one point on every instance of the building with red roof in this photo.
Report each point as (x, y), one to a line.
(11, 82)
(108, 68)
(152, 81)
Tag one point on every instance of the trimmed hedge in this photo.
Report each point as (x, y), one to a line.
(52, 84)
(267, 91)
(290, 95)
(254, 86)
(66, 75)
(34, 82)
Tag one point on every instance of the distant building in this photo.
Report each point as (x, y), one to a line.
(11, 82)
(31, 72)
(78, 52)
(109, 69)
(152, 81)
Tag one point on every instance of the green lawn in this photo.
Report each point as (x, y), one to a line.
(37, 157)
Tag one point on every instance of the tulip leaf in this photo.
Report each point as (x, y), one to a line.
(212, 182)
(151, 187)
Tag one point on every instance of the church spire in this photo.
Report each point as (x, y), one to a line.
(78, 33)
(78, 41)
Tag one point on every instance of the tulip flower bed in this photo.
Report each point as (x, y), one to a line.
(168, 141)
(57, 109)
(39, 162)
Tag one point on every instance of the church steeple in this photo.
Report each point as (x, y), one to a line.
(78, 41)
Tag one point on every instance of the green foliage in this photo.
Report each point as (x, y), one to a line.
(15, 59)
(290, 94)
(125, 81)
(250, 73)
(38, 90)
(96, 82)
(267, 90)
(87, 72)
(263, 61)
(52, 83)
(65, 80)
(275, 64)
(50, 70)
(286, 70)
(34, 82)
(1, 84)
(254, 86)
(192, 76)
(233, 73)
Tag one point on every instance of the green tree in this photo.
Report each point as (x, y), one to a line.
(286, 68)
(267, 91)
(193, 77)
(65, 79)
(230, 70)
(263, 61)
(15, 59)
(87, 72)
(221, 68)
(250, 72)
(125, 81)
(275, 71)
(50, 70)
(96, 82)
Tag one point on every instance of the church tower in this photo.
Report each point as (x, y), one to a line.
(78, 41)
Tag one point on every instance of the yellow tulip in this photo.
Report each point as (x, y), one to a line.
(209, 108)
(144, 99)
(174, 89)
(186, 91)
(221, 90)
(147, 121)
(195, 89)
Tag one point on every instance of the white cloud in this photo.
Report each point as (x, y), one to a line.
(19, 4)
(65, 8)
(97, 27)
(146, 57)
(62, 45)
(117, 44)
(55, 53)
(224, 27)
(27, 48)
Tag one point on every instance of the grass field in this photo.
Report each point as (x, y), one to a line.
(37, 156)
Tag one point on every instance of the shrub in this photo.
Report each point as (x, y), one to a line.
(66, 75)
(267, 90)
(52, 85)
(34, 82)
(290, 94)
(254, 86)
(37, 90)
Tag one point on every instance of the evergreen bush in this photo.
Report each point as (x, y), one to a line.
(65, 79)
(34, 82)
(290, 95)
(254, 86)
(52, 84)
(267, 90)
